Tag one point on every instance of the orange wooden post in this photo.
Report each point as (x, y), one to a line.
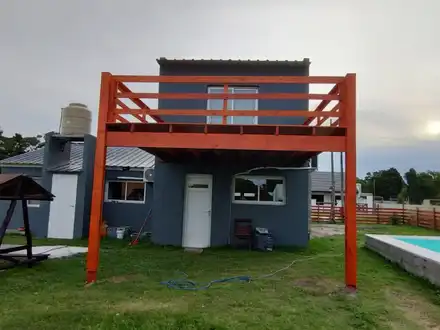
(225, 104)
(98, 179)
(349, 100)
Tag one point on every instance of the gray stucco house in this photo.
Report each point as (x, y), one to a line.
(65, 167)
(197, 202)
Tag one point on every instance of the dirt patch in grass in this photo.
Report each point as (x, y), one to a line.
(415, 309)
(324, 230)
(121, 278)
(149, 305)
(318, 285)
(116, 279)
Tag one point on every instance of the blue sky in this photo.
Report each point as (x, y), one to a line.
(53, 53)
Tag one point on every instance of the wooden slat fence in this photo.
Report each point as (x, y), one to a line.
(414, 217)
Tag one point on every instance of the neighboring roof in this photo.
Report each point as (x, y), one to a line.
(18, 186)
(29, 158)
(322, 181)
(76, 160)
(163, 60)
(116, 157)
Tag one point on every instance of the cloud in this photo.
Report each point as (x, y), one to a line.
(53, 53)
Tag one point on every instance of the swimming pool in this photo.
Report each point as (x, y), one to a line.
(430, 243)
(418, 255)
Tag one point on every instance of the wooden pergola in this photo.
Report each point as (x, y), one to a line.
(137, 125)
(18, 187)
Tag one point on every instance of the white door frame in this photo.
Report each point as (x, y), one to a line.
(62, 210)
(203, 179)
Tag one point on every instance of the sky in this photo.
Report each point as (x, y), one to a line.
(53, 52)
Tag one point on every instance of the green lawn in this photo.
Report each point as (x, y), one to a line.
(308, 295)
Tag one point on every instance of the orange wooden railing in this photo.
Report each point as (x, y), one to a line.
(364, 215)
(138, 111)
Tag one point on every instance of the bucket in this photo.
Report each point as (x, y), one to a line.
(120, 233)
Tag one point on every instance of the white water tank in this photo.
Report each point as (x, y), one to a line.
(76, 119)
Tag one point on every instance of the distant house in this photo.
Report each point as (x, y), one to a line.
(321, 189)
(65, 167)
(321, 186)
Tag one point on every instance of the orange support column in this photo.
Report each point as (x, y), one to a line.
(350, 181)
(98, 179)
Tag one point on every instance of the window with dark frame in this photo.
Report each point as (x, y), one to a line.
(126, 191)
(259, 190)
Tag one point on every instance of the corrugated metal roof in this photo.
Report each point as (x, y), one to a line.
(131, 157)
(76, 160)
(30, 158)
(322, 181)
(164, 60)
(116, 157)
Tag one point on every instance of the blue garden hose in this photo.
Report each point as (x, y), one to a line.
(185, 284)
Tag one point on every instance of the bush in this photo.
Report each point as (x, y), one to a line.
(395, 220)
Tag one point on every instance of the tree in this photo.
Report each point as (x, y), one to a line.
(385, 183)
(17, 144)
(422, 185)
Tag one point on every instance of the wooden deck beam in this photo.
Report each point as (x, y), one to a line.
(226, 141)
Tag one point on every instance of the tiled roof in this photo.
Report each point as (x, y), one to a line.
(164, 60)
(116, 157)
(322, 181)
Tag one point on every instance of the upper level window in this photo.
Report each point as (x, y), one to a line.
(125, 191)
(217, 104)
(259, 190)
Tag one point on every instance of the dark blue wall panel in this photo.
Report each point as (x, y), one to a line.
(234, 70)
(289, 222)
(128, 214)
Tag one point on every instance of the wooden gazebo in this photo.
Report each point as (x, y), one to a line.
(16, 187)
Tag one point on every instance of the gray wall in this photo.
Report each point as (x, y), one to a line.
(37, 215)
(128, 214)
(289, 223)
(86, 180)
(234, 70)
(115, 214)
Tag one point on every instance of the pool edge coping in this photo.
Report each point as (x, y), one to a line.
(408, 247)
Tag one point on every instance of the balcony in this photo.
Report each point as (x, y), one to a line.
(128, 120)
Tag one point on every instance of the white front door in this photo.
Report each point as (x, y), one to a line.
(62, 208)
(197, 211)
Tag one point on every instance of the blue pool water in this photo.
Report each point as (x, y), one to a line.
(430, 244)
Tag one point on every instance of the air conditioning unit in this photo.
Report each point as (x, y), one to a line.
(148, 174)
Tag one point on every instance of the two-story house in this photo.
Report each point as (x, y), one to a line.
(198, 194)
(232, 139)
